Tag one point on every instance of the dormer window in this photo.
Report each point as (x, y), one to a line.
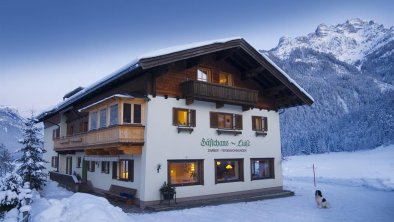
(203, 74)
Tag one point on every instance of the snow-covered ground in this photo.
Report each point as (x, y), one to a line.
(359, 187)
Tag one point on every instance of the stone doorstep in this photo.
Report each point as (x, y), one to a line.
(224, 200)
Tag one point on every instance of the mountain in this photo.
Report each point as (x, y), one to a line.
(11, 124)
(348, 69)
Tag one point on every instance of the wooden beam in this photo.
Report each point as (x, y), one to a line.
(219, 105)
(273, 91)
(253, 72)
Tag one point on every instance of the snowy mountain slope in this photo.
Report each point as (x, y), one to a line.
(349, 42)
(353, 106)
(11, 124)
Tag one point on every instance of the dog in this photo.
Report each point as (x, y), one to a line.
(320, 201)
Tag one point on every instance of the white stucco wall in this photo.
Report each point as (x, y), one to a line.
(48, 146)
(162, 143)
(103, 181)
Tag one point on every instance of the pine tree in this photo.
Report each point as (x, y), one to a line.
(6, 165)
(32, 163)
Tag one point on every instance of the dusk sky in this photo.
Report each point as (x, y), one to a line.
(48, 48)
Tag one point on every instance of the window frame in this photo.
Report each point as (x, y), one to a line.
(236, 120)
(241, 170)
(200, 169)
(271, 163)
(191, 117)
(130, 175)
(105, 167)
(69, 161)
(230, 80)
(116, 116)
(79, 162)
(263, 121)
(54, 161)
(91, 166)
(93, 120)
(206, 71)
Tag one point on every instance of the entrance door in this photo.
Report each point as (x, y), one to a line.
(84, 171)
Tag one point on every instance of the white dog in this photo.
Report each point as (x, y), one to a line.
(320, 201)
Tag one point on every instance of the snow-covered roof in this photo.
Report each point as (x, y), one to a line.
(136, 63)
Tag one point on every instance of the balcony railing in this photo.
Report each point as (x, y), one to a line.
(113, 135)
(198, 90)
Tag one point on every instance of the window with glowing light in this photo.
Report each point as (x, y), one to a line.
(225, 79)
(185, 172)
(184, 117)
(126, 168)
(228, 170)
(262, 168)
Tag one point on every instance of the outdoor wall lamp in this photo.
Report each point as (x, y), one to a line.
(158, 167)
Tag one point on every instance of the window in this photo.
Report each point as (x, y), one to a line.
(259, 123)
(69, 165)
(83, 126)
(54, 161)
(79, 162)
(56, 133)
(91, 166)
(70, 129)
(93, 121)
(203, 74)
(225, 79)
(113, 114)
(185, 172)
(226, 121)
(126, 113)
(262, 168)
(137, 110)
(126, 170)
(103, 118)
(105, 167)
(137, 113)
(183, 117)
(228, 170)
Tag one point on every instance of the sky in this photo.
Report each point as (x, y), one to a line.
(50, 47)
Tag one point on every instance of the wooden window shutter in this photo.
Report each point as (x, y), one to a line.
(238, 122)
(193, 118)
(254, 123)
(175, 117)
(265, 124)
(93, 166)
(131, 170)
(114, 170)
(214, 119)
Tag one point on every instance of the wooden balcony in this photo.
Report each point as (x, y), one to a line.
(120, 137)
(221, 94)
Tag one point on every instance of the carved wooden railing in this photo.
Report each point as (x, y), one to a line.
(199, 90)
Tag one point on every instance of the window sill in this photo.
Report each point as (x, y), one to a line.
(223, 131)
(261, 133)
(188, 129)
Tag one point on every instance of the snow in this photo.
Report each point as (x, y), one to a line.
(105, 99)
(287, 76)
(135, 64)
(349, 42)
(173, 49)
(358, 185)
(11, 216)
(384, 87)
(343, 104)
